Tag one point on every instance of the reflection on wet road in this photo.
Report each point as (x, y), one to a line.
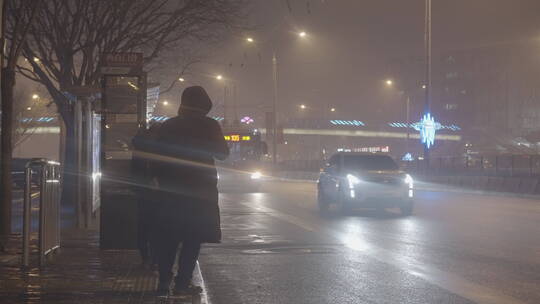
(456, 248)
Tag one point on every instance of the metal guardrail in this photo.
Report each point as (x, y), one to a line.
(49, 208)
(480, 165)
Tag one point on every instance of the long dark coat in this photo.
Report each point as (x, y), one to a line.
(187, 177)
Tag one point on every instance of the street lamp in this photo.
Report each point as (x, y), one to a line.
(250, 40)
(303, 106)
(219, 77)
(389, 82)
(181, 79)
(332, 109)
(302, 34)
(35, 96)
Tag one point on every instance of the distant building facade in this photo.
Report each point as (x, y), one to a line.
(492, 92)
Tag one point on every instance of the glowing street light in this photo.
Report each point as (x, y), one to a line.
(332, 109)
(29, 108)
(250, 40)
(181, 79)
(302, 34)
(219, 77)
(389, 82)
(303, 106)
(165, 103)
(35, 96)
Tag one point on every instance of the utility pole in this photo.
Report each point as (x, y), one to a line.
(427, 38)
(225, 104)
(408, 124)
(235, 105)
(274, 110)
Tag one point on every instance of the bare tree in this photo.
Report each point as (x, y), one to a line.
(68, 38)
(30, 111)
(17, 16)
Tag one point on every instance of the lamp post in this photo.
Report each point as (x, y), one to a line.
(250, 40)
(227, 93)
(427, 38)
(274, 110)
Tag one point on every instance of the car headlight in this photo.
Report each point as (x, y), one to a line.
(353, 180)
(409, 180)
(256, 175)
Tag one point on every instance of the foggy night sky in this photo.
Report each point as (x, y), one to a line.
(345, 59)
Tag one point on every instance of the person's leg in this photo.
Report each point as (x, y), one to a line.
(142, 231)
(167, 245)
(188, 260)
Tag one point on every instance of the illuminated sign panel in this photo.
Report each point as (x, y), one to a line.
(237, 138)
(383, 149)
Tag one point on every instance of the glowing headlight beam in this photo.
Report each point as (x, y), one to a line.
(409, 180)
(353, 180)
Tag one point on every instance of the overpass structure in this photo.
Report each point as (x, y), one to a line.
(313, 139)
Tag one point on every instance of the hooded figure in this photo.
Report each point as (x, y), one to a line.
(187, 179)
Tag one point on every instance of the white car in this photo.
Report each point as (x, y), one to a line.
(364, 180)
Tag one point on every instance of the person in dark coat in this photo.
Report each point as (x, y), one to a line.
(187, 179)
(144, 146)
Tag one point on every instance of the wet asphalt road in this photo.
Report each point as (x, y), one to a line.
(456, 248)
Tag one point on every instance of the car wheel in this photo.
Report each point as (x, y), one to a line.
(322, 201)
(407, 208)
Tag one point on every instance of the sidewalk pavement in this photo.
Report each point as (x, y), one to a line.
(79, 273)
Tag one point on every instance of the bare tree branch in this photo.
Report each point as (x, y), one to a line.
(69, 37)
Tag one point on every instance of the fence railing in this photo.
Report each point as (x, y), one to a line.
(479, 165)
(49, 189)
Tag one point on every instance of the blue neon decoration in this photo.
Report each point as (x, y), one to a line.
(407, 157)
(162, 118)
(355, 123)
(451, 127)
(428, 128)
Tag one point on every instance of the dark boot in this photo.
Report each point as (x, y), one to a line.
(186, 289)
(164, 288)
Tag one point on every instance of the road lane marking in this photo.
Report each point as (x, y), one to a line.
(443, 279)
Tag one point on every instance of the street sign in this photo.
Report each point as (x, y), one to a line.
(122, 60)
(121, 63)
(115, 70)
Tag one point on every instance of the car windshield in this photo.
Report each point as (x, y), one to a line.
(370, 162)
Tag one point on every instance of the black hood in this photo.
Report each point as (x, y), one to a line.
(195, 100)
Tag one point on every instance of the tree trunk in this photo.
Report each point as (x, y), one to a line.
(69, 163)
(7, 87)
